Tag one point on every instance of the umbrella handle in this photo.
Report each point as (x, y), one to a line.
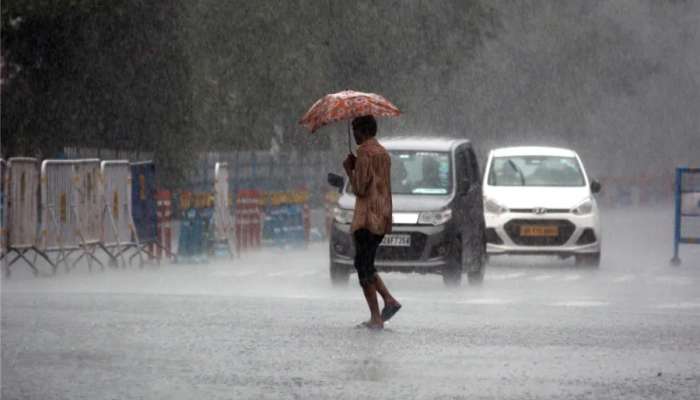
(349, 141)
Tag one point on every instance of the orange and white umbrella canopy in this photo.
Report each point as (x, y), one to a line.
(346, 105)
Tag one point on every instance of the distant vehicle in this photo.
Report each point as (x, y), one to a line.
(438, 220)
(539, 200)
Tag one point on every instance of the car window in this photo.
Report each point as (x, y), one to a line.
(420, 172)
(462, 167)
(473, 166)
(535, 171)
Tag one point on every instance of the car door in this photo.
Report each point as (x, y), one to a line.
(474, 209)
(461, 210)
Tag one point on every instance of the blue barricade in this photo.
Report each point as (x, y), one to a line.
(687, 210)
(195, 235)
(144, 205)
(284, 225)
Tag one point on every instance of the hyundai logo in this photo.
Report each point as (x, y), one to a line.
(539, 210)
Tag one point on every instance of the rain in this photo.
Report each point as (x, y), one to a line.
(170, 228)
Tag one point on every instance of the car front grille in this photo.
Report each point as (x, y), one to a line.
(566, 229)
(540, 210)
(398, 253)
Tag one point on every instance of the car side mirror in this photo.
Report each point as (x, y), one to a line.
(595, 186)
(336, 180)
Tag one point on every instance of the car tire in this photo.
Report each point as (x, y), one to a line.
(476, 277)
(477, 263)
(452, 274)
(340, 274)
(588, 260)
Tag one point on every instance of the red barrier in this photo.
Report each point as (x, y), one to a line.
(307, 222)
(248, 220)
(165, 214)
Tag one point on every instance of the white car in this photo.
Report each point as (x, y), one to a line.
(539, 200)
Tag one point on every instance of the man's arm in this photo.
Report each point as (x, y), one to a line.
(361, 176)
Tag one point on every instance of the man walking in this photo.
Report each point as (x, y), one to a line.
(370, 179)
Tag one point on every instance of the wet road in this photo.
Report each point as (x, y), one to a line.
(269, 325)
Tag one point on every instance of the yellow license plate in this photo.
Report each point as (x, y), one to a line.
(537, 230)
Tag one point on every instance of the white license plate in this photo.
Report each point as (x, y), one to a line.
(396, 240)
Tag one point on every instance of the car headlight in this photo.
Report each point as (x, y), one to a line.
(492, 207)
(343, 215)
(435, 217)
(585, 208)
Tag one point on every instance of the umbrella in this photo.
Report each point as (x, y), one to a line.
(346, 105)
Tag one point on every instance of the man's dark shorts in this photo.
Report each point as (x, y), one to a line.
(366, 244)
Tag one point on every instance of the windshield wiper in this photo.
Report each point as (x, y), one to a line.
(516, 169)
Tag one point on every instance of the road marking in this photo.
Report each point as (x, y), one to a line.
(486, 301)
(276, 274)
(581, 303)
(399, 277)
(309, 273)
(224, 274)
(503, 277)
(570, 278)
(242, 274)
(624, 278)
(542, 277)
(303, 296)
(679, 306)
(675, 280)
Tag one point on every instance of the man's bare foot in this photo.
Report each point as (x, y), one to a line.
(373, 324)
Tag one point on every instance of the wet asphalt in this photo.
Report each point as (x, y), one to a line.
(269, 325)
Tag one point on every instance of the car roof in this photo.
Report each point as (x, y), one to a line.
(421, 143)
(533, 151)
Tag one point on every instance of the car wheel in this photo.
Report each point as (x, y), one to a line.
(340, 274)
(452, 274)
(476, 278)
(588, 260)
(477, 263)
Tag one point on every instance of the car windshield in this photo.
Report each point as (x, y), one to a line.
(419, 173)
(535, 171)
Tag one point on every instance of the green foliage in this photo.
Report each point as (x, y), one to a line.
(95, 74)
(178, 77)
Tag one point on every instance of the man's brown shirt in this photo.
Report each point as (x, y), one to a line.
(371, 183)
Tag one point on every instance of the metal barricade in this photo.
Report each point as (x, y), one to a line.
(144, 207)
(22, 183)
(3, 209)
(90, 200)
(118, 233)
(145, 212)
(143, 201)
(164, 227)
(71, 205)
(248, 221)
(195, 212)
(687, 210)
(223, 223)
